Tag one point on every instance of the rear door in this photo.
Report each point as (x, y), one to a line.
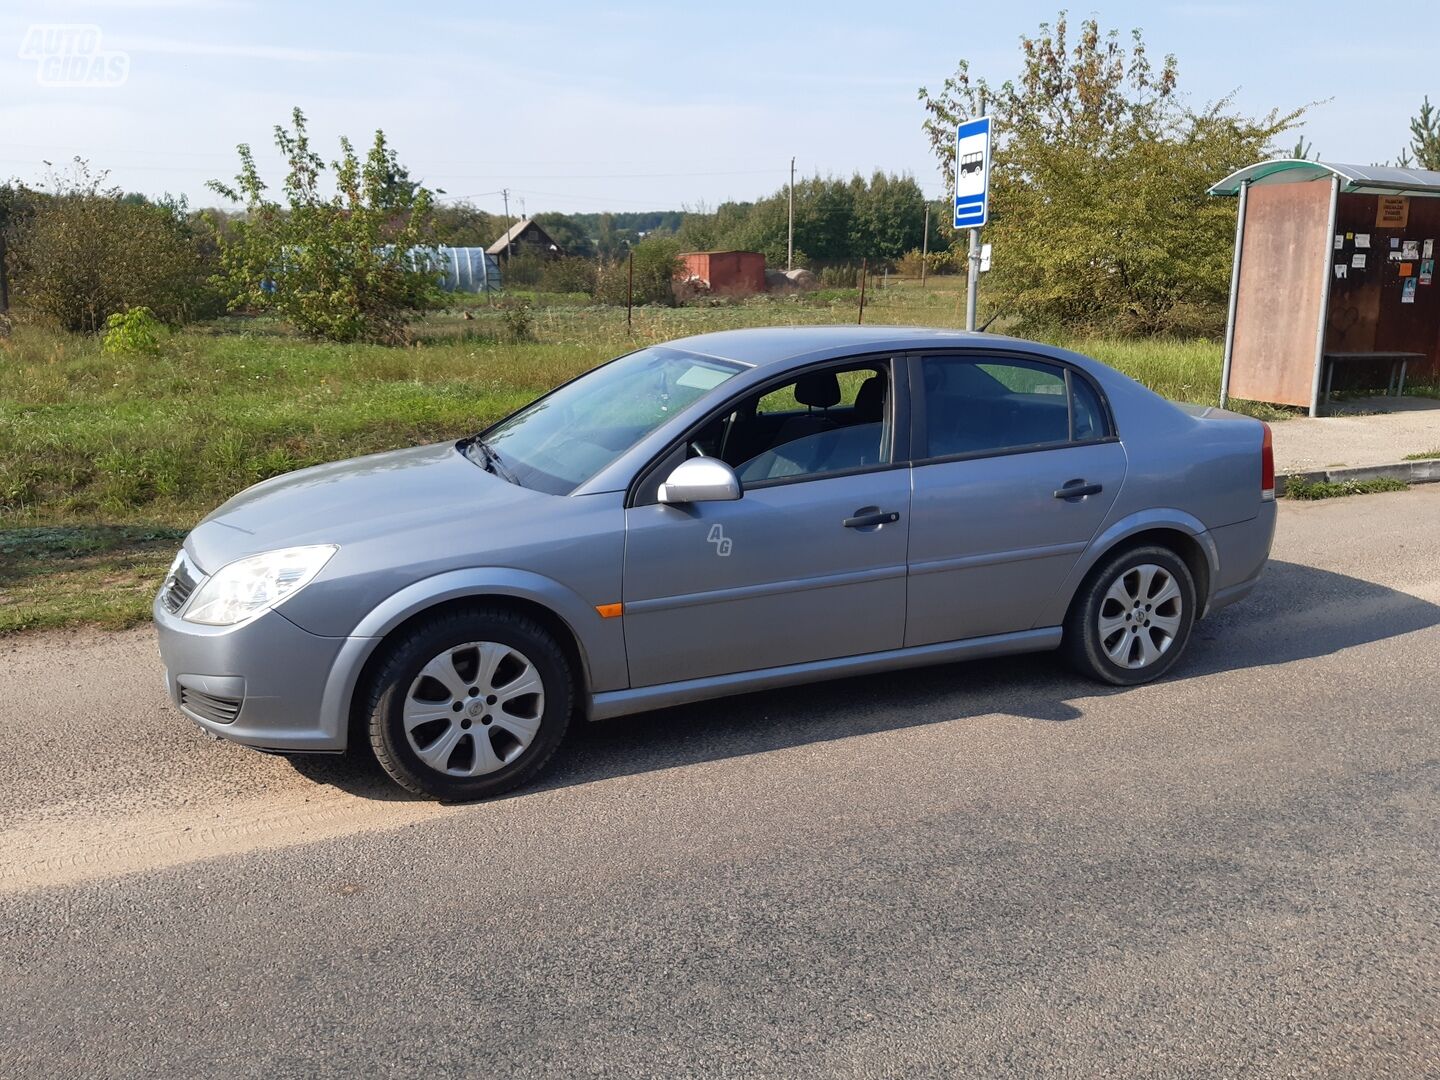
(1016, 467)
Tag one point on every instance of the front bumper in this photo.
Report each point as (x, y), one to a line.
(262, 684)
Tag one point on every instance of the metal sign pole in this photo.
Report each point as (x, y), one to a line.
(972, 200)
(972, 284)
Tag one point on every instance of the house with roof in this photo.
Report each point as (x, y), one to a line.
(526, 237)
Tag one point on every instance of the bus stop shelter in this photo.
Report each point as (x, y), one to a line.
(1334, 280)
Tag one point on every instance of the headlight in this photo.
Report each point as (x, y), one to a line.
(243, 589)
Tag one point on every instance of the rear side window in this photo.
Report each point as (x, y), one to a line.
(981, 405)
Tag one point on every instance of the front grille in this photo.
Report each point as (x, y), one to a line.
(212, 707)
(178, 587)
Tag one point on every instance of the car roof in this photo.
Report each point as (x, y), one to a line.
(782, 345)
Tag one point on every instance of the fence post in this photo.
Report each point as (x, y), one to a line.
(861, 320)
(630, 291)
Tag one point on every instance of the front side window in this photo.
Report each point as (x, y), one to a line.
(828, 421)
(984, 405)
(562, 440)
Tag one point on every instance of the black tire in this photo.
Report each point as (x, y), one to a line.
(456, 634)
(1093, 654)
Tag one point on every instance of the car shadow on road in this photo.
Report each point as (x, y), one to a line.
(1296, 613)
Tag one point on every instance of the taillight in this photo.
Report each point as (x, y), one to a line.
(1267, 465)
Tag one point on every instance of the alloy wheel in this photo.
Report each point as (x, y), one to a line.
(474, 708)
(1140, 616)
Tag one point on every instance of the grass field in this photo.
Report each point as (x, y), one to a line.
(89, 442)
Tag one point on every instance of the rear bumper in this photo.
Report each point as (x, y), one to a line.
(261, 684)
(1242, 550)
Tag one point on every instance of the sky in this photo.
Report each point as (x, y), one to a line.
(586, 107)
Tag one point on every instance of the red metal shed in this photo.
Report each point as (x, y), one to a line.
(731, 273)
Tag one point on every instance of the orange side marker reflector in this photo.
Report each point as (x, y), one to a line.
(610, 611)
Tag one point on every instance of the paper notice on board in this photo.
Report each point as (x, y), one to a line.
(1340, 270)
(1358, 261)
(1427, 271)
(1407, 292)
(1410, 249)
(1339, 241)
(1407, 269)
(1429, 250)
(1362, 239)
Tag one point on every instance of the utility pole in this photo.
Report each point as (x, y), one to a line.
(925, 245)
(790, 236)
(864, 263)
(505, 194)
(4, 290)
(630, 293)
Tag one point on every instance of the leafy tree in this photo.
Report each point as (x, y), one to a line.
(81, 252)
(1099, 215)
(835, 221)
(341, 265)
(1424, 149)
(656, 264)
(463, 224)
(567, 233)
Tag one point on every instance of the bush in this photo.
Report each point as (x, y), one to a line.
(340, 266)
(133, 333)
(839, 277)
(569, 275)
(83, 252)
(656, 260)
(522, 268)
(519, 320)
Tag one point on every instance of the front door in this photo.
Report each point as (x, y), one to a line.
(809, 564)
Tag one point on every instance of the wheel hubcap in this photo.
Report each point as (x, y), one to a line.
(474, 708)
(1140, 616)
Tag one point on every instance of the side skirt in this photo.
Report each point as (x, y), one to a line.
(641, 699)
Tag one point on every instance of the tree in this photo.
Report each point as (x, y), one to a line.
(1424, 149)
(564, 230)
(1099, 217)
(82, 252)
(835, 221)
(347, 265)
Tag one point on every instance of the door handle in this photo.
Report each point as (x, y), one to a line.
(1078, 489)
(871, 518)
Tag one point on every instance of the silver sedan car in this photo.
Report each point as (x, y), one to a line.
(721, 514)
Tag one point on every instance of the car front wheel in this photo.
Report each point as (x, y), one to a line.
(470, 704)
(1131, 619)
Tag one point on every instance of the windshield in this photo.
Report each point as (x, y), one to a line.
(562, 440)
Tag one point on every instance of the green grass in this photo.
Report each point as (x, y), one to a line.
(89, 440)
(101, 576)
(1424, 455)
(1328, 489)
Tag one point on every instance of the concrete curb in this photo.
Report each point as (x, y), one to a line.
(1412, 472)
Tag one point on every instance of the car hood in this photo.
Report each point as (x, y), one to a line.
(349, 501)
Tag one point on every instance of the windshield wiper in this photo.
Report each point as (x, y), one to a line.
(492, 460)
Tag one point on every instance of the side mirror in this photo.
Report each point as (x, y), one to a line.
(701, 479)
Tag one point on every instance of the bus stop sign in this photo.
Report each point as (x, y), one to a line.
(972, 173)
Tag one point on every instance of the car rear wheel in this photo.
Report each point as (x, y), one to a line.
(470, 704)
(1131, 619)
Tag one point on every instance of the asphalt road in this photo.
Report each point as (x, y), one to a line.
(987, 869)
